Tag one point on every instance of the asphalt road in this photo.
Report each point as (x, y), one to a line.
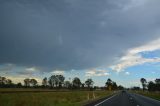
(126, 99)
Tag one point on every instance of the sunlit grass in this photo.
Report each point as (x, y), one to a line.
(70, 98)
(154, 95)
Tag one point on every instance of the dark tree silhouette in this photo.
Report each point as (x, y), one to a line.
(8, 81)
(151, 86)
(52, 80)
(56, 80)
(19, 85)
(109, 84)
(76, 82)
(44, 82)
(114, 85)
(67, 84)
(2, 80)
(144, 82)
(135, 88)
(83, 85)
(27, 82)
(157, 85)
(33, 82)
(61, 79)
(154, 86)
(89, 83)
(120, 87)
(157, 81)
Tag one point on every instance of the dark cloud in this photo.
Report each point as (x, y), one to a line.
(74, 34)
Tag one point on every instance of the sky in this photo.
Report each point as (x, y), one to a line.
(98, 39)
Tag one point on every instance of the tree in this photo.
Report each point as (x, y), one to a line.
(89, 82)
(82, 85)
(60, 80)
(67, 84)
(76, 82)
(56, 80)
(8, 81)
(154, 86)
(114, 85)
(19, 85)
(109, 84)
(151, 86)
(120, 87)
(50, 83)
(44, 81)
(144, 82)
(27, 82)
(157, 81)
(135, 88)
(2, 80)
(33, 82)
(52, 80)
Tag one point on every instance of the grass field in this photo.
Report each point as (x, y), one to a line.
(154, 95)
(59, 98)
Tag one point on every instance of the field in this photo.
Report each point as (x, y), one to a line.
(21, 97)
(154, 95)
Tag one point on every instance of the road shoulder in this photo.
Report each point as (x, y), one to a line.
(99, 100)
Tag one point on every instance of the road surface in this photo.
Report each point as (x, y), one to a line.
(126, 99)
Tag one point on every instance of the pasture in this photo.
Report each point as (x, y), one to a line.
(29, 97)
(154, 95)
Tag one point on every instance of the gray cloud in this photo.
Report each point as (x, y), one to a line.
(74, 34)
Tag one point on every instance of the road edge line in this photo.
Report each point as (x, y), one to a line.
(105, 100)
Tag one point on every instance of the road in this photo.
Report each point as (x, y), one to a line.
(126, 99)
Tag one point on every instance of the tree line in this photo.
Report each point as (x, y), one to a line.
(151, 85)
(58, 82)
(148, 85)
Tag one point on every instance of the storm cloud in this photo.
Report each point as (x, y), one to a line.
(74, 34)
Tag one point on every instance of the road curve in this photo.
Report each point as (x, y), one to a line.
(126, 99)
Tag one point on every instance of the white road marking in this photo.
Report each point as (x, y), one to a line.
(105, 100)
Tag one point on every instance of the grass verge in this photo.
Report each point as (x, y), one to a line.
(154, 95)
(69, 98)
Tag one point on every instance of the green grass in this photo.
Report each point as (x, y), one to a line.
(154, 95)
(70, 98)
